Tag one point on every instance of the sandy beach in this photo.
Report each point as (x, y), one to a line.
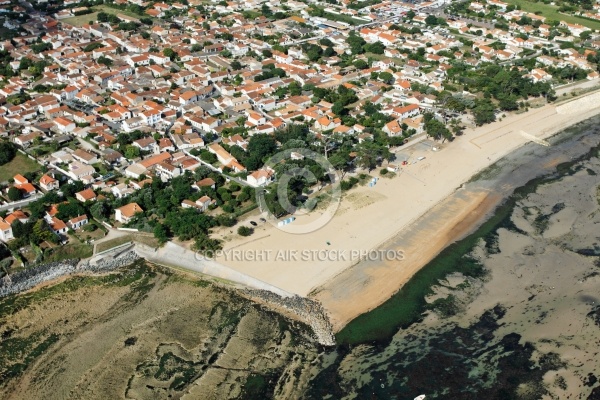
(416, 213)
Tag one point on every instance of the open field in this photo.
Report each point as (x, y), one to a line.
(19, 165)
(144, 332)
(551, 12)
(81, 20)
(115, 11)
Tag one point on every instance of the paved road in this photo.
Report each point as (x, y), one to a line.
(173, 255)
(20, 203)
(560, 90)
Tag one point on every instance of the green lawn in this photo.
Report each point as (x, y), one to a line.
(551, 12)
(81, 20)
(115, 11)
(71, 250)
(19, 165)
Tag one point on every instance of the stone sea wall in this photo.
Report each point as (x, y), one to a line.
(31, 277)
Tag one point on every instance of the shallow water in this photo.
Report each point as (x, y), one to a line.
(464, 349)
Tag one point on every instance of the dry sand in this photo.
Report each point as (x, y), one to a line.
(369, 217)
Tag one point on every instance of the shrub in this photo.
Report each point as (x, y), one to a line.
(384, 171)
(349, 184)
(245, 231)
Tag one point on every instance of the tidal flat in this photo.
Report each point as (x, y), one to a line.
(526, 325)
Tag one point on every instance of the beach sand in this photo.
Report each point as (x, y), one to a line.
(398, 214)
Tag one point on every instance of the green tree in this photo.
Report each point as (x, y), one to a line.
(386, 77)
(169, 52)
(14, 194)
(259, 147)
(356, 43)
(132, 152)
(105, 61)
(483, 112)
(338, 108)
(7, 152)
(369, 154)
(161, 233)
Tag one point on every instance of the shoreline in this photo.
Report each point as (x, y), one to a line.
(450, 212)
(336, 284)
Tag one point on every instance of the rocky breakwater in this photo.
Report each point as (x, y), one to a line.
(309, 311)
(31, 277)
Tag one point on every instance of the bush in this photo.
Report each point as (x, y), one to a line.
(245, 231)
(349, 184)
(90, 227)
(384, 171)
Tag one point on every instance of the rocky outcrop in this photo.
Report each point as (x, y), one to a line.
(308, 311)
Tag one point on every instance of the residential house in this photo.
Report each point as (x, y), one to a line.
(85, 195)
(204, 202)
(261, 177)
(126, 213)
(58, 226)
(48, 183)
(78, 222)
(85, 157)
(6, 232)
(206, 182)
(145, 144)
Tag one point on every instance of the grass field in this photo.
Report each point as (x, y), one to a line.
(74, 250)
(19, 165)
(551, 12)
(81, 20)
(115, 11)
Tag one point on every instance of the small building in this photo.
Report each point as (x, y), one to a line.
(85, 157)
(126, 213)
(48, 183)
(204, 202)
(85, 195)
(261, 177)
(58, 226)
(78, 222)
(206, 182)
(6, 232)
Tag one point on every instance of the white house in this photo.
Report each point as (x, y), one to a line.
(261, 177)
(6, 232)
(78, 222)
